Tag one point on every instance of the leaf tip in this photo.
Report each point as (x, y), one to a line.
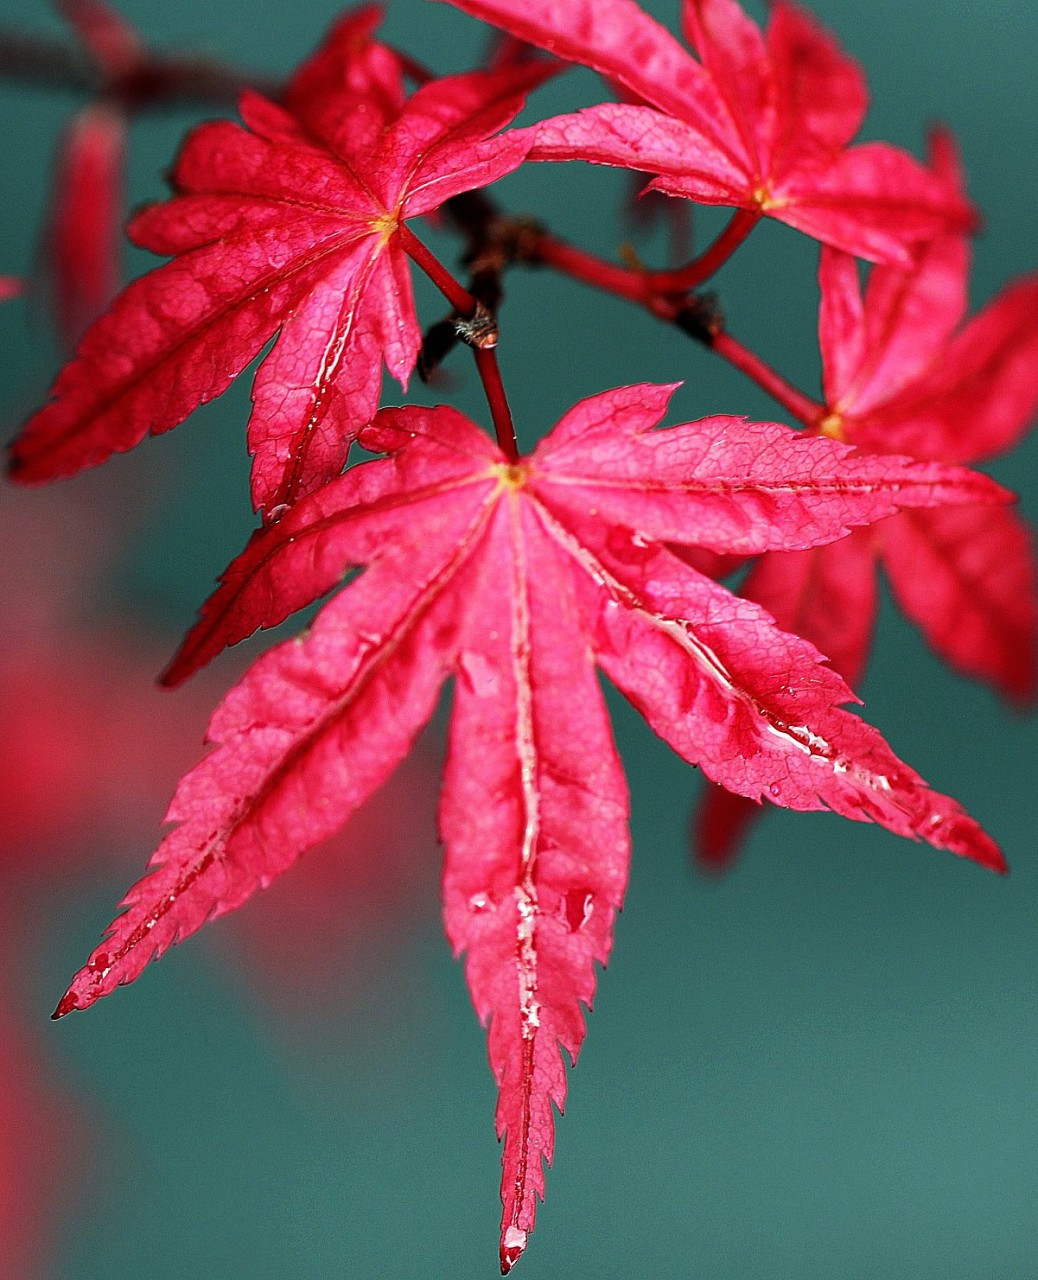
(971, 841)
(513, 1243)
(28, 466)
(15, 465)
(172, 674)
(66, 1004)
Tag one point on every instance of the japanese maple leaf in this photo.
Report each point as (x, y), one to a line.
(291, 225)
(903, 374)
(519, 578)
(759, 121)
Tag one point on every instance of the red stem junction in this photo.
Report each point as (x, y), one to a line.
(700, 269)
(661, 292)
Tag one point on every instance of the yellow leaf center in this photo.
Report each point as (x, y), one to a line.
(386, 225)
(832, 426)
(510, 475)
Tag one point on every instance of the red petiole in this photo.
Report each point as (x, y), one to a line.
(483, 346)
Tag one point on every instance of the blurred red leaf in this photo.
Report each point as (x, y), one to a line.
(84, 229)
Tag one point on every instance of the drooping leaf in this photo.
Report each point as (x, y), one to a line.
(519, 579)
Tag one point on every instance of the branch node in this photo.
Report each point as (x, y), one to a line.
(478, 330)
(701, 318)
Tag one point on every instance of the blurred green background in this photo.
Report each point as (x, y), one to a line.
(822, 1065)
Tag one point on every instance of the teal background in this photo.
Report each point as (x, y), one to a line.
(822, 1065)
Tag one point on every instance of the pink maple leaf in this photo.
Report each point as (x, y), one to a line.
(903, 374)
(760, 121)
(518, 579)
(292, 225)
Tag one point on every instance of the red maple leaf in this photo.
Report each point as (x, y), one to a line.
(519, 578)
(903, 374)
(761, 122)
(292, 225)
